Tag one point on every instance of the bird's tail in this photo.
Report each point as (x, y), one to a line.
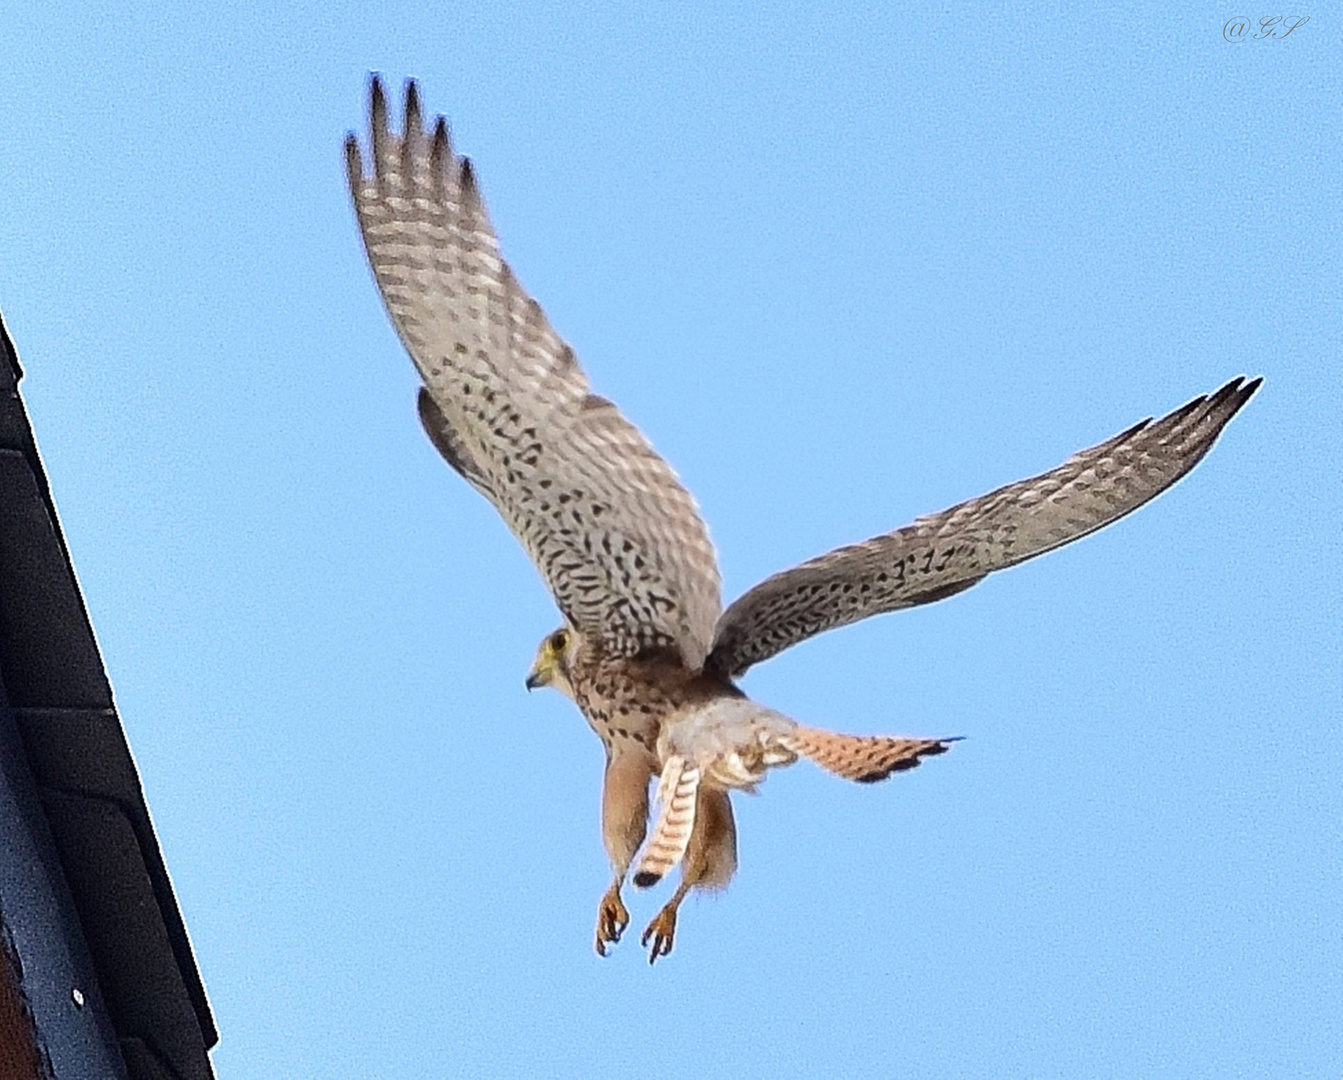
(864, 758)
(677, 789)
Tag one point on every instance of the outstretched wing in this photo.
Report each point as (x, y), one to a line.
(944, 553)
(616, 537)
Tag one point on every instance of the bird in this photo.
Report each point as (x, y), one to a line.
(646, 650)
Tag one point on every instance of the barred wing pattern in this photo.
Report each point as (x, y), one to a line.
(940, 555)
(617, 538)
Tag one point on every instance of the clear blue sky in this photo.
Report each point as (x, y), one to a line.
(845, 265)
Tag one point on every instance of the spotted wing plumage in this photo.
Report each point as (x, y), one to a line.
(617, 538)
(942, 554)
(450, 444)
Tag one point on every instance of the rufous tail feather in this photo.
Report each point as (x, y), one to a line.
(676, 819)
(864, 758)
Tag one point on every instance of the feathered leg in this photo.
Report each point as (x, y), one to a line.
(710, 861)
(624, 822)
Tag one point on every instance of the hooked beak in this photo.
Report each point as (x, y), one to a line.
(540, 674)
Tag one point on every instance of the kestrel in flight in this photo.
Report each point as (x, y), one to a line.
(646, 651)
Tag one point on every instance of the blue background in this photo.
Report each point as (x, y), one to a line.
(845, 265)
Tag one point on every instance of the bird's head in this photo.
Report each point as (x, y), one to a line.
(554, 659)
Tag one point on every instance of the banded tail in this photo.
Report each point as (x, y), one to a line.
(676, 819)
(864, 758)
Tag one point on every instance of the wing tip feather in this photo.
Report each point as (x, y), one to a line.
(414, 119)
(440, 152)
(1241, 389)
(468, 185)
(354, 163)
(1195, 427)
(377, 103)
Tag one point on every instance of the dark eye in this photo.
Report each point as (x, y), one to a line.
(558, 640)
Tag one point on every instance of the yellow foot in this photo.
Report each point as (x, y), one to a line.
(612, 918)
(661, 932)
